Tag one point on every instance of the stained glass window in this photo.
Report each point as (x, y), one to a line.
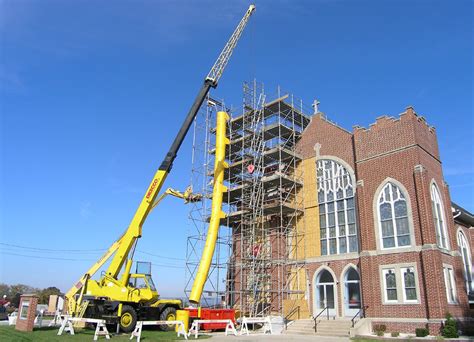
(409, 285)
(438, 216)
(393, 217)
(337, 216)
(466, 261)
(390, 285)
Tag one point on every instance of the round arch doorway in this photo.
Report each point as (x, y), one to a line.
(325, 291)
(352, 301)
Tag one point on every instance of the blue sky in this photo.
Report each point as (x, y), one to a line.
(93, 92)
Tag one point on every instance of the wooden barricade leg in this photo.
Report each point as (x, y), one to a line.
(62, 327)
(97, 329)
(182, 330)
(244, 329)
(138, 331)
(66, 326)
(101, 330)
(267, 326)
(230, 326)
(56, 320)
(194, 329)
(69, 327)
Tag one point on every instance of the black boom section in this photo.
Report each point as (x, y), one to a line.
(173, 151)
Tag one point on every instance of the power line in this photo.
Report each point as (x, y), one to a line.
(43, 257)
(15, 249)
(160, 256)
(172, 266)
(70, 259)
(52, 250)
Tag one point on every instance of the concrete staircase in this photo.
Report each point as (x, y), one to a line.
(337, 327)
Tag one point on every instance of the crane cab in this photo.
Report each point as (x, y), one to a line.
(142, 287)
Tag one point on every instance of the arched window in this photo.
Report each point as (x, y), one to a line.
(438, 216)
(466, 260)
(352, 302)
(393, 217)
(325, 277)
(337, 216)
(325, 294)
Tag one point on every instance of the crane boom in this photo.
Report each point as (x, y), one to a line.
(122, 249)
(219, 66)
(146, 205)
(211, 80)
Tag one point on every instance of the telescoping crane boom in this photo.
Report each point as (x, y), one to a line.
(121, 297)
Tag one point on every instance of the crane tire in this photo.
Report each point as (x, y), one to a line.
(168, 314)
(128, 319)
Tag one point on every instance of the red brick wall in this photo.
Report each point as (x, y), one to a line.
(405, 150)
(336, 267)
(322, 131)
(388, 134)
(372, 287)
(408, 327)
(373, 173)
(27, 323)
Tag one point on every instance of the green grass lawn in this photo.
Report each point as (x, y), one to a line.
(8, 333)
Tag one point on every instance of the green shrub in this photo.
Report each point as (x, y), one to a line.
(380, 329)
(450, 328)
(421, 332)
(395, 334)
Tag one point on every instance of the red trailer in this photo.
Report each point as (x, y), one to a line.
(211, 314)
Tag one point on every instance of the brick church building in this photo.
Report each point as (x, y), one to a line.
(389, 238)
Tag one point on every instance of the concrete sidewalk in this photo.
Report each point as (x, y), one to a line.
(286, 337)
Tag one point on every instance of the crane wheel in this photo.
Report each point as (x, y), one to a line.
(128, 320)
(168, 314)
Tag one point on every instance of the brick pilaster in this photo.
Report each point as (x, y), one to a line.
(27, 312)
(431, 262)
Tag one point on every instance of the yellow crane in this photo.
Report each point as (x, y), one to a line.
(125, 297)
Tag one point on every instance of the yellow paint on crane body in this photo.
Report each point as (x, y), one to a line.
(110, 286)
(217, 214)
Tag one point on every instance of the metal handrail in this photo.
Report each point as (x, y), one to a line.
(295, 309)
(361, 310)
(319, 314)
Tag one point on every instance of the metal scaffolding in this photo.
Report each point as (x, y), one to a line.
(264, 202)
(200, 212)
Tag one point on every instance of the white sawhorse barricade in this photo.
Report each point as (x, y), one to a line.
(57, 320)
(267, 324)
(100, 330)
(138, 328)
(195, 326)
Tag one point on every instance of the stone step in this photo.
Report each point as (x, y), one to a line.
(321, 328)
(311, 332)
(326, 330)
(337, 327)
(332, 326)
(325, 324)
(344, 331)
